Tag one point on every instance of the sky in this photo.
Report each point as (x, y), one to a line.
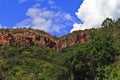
(57, 17)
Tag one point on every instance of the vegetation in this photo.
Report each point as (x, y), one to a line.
(97, 59)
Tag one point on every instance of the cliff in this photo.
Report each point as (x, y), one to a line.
(31, 37)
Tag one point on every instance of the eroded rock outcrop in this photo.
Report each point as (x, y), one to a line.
(31, 37)
(6, 39)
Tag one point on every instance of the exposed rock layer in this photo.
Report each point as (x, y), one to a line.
(31, 37)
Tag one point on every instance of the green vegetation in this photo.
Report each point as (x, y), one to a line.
(97, 59)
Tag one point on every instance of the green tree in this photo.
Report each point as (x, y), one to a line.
(108, 22)
(117, 23)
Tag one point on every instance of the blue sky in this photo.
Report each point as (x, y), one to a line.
(57, 17)
(14, 12)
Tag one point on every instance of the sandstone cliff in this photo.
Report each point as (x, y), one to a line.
(31, 37)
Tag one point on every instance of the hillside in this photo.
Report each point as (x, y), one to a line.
(94, 54)
(31, 37)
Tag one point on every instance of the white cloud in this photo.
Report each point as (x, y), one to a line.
(22, 1)
(93, 12)
(0, 26)
(47, 20)
(53, 5)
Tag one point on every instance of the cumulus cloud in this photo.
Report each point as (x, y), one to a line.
(53, 5)
(2, 26)
(48, 20)
(22, 1)
(92, 12)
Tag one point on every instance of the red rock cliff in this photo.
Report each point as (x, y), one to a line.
(31, 37)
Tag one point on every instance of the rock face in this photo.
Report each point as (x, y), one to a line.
(6, 39)
(31, 37)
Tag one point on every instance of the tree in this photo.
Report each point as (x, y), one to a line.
(108, 22)
(117, 23)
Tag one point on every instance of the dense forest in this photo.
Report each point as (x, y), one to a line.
(97, 59)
